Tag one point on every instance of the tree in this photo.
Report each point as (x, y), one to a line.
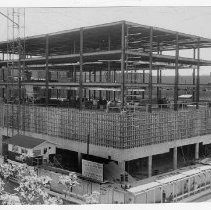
(8, 199)
(69, 181)
(31, 189)
(93, 198)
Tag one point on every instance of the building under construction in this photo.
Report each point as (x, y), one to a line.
(97, 92)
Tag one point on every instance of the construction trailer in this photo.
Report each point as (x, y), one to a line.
(110, 62)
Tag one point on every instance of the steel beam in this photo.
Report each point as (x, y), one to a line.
(176, 79)
(150, 72)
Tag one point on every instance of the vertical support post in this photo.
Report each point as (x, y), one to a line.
(150, 72)
(197, 151)
(74, 68)
(3, 78)
(158, 81)
(109, 78)
(74, 74)
(122, 166)
(81, 69)
(128, 167)
(123, 66)
(109, 65)
(176, 79)
(197, 76)
(143, 83)
(47, 71)
(189, 186)
(158, 76)
(194, 76)
(90, 82)
(175, 158)
(79, 160)
(19, 70)
(94, 82)
(150, 166)
(88, 142)
(57, 93)
(100, 95)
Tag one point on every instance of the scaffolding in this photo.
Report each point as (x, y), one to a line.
(15, 51)
(116, 130)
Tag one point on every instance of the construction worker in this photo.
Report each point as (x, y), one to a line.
(171, 197)
(164, 196)
(108, 105)
(186, 187)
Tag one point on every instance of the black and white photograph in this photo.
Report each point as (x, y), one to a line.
(105, 105)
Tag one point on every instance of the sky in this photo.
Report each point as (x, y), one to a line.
(192, 20)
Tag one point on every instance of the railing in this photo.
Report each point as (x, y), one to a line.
(169, 106)
(117, 130)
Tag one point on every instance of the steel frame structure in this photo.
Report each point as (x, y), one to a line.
(123, 40)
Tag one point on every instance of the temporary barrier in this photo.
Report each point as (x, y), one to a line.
(174, 187)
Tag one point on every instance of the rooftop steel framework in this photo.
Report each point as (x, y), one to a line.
(123, 45)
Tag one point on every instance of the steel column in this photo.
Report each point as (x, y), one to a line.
(176, 79)
(197, 76)
(109, 65)
(109, 79)
(100, 80)
(158, 76)
(46, 71)
(89, 81)
(194, 75)
(150, 72)
(123, 66)
(143, 93)
(94, 81)
(81, 69)
(160, 82)
(19, 70)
